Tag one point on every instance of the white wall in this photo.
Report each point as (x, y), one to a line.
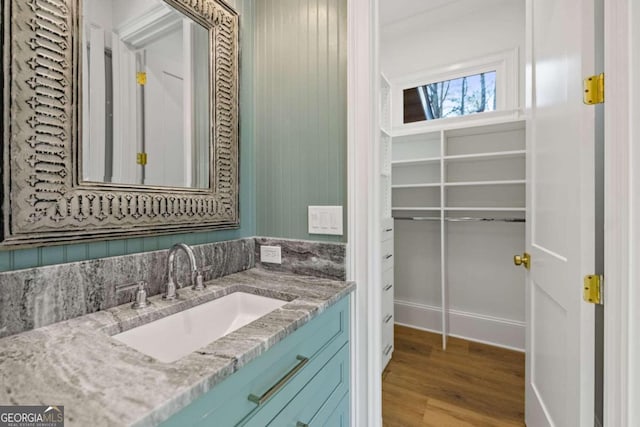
(459, 31)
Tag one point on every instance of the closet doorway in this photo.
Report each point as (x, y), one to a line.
(454, 206)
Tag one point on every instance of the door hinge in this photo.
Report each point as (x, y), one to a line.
(592, 289)
(594, 89)
(141, 78)
(141, 159)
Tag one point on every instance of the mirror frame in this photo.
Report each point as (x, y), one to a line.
(44, 199)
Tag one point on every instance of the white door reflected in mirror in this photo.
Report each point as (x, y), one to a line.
(146, 95)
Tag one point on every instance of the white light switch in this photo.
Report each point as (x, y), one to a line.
(325, 220)
(271, 254)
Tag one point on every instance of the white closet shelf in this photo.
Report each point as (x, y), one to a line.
(385, 131)
(428, 185)
(487, 156)
(478, 183)
(414, 162)
(484, 209)
(487, 122)
(459, 219)
(401, 208)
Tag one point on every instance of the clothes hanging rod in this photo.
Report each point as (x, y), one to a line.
(459, 219)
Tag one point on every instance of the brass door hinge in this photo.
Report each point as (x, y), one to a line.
(592, 290)
(594, 90)
(141, 159)
(141, 78)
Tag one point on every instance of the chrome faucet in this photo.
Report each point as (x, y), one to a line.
(172, 283)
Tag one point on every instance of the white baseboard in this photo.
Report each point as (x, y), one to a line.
(470, 326)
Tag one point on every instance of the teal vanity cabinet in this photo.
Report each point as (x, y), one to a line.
(301, 381)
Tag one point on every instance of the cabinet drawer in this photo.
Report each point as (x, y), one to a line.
(228, 404)
(387, 255)
(386, 231)
(387, 281)
(387, 292)
(340, 417)
(386, 358)
(387, 309)
(387, 335)
(319, 397)
(387, 343)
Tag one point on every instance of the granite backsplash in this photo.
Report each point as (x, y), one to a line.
(41, 296)
(307, 258)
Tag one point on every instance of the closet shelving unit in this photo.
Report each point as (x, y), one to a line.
(386, 224)
(456, 171)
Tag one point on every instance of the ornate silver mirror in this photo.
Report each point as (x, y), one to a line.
(120, 118)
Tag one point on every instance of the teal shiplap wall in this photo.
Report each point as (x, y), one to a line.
(301, 112)
(27, 258)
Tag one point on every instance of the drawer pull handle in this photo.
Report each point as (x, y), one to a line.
(388, 230)
(388, 256)
(260, 400)
(301, 424)
(388, 350)
(388, 287)
(388, 318)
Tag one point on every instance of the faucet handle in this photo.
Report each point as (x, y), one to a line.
(171, 293)
(198, 283)
(141, 296)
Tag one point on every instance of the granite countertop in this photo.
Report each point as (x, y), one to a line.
(102, 382)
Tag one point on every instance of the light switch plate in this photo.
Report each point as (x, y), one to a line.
(271, 254)
(325, 220)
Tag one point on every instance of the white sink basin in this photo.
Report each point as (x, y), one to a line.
(173, 337)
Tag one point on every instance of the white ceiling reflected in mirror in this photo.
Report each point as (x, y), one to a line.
(145, 95)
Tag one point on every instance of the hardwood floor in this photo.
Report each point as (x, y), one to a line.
(470, 384)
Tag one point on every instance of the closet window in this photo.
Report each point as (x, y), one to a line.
(471, 94)
(459, 91)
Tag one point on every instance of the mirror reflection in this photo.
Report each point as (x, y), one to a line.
(145, 95)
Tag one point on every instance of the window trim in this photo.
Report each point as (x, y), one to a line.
(505, 64)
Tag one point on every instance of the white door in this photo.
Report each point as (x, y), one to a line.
(560, 215)
(164, 112)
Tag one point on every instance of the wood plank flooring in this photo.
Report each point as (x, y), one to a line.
(470, 384)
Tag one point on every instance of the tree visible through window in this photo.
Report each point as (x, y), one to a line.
(450, 98)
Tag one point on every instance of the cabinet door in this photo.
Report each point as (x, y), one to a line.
(317, 400)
